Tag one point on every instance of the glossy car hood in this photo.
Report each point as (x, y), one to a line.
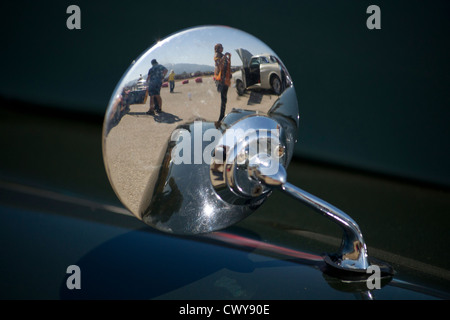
(245, 56)
(122, 259)
(58, 209)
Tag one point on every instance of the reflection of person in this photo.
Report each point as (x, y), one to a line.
(222, 75)
(155, 78)
(172, 80)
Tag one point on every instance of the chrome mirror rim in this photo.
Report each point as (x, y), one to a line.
(190, 198)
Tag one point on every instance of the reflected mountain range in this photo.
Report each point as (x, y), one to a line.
(183, 68)
(180, 68)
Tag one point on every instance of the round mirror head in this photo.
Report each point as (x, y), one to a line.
(170, 110)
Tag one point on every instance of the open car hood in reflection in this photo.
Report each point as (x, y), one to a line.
(245, 56)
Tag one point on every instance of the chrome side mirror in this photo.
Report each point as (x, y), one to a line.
(199, 132)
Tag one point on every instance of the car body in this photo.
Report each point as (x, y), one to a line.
(262, 71)
(61, 212)
(138, 91)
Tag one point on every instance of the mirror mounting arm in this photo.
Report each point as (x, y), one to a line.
(352, 255)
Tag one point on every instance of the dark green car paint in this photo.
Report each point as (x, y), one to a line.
(53, 216)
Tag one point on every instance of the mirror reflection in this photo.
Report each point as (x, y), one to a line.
(207, 74)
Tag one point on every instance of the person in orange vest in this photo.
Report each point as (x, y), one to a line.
(222, 76)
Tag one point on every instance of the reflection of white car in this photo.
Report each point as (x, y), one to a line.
(264, 71)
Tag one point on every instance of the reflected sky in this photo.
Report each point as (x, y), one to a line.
(196, 46)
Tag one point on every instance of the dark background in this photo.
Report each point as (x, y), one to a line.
(376, 100)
